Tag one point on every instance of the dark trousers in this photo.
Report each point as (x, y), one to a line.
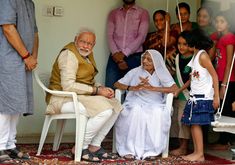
(113, 73)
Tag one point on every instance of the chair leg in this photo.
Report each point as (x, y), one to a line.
(79, 137)
(58, 134)
(165, 152)
(45, 128)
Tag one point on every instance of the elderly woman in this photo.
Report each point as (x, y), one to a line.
(142, 126)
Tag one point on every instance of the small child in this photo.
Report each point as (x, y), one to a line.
(181, 77)
(204, 93)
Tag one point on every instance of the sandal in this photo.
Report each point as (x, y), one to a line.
(4, 157)
(16, 154)
(89, 156)
(102, 154)
(129, 157)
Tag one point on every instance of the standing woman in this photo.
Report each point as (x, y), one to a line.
(204, 20)
(224, 42)
(156, 40)
(18, 57)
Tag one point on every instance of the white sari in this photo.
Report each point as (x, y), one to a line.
(142, 126)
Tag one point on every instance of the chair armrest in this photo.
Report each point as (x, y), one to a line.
(58, 93)
(119, 94)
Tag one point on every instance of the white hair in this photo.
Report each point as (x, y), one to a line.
(85, 30)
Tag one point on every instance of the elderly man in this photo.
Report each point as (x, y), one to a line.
(127, 29)
(74, 70)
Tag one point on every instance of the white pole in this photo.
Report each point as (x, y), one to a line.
(166, 30)
(181, 28)
(219, 112)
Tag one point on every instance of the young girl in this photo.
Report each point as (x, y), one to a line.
(181, 76)
(204, 93)
(224, 42)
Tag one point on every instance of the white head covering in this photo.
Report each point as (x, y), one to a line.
(159, 66)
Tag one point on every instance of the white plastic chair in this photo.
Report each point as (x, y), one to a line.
(119, 94)
(81, 119)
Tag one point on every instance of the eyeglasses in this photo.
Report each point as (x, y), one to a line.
(90, 44)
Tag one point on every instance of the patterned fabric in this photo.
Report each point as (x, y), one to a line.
(64, 157)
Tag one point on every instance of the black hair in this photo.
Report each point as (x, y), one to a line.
(185, 35)
(162, 12)
(209, 11)
(200, 40)
(228, 16)
(182, 5)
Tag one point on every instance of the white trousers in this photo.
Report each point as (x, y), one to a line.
(97, 127)
(8, 125)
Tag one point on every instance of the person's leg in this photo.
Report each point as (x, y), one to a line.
(4, 130)
(12, 134)
(95, 146)
(184, 131)
(97, 140)
(4, 136)
(198, 154)
(94, 125)
(113, 73)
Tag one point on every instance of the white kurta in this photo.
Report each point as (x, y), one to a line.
(142, 126)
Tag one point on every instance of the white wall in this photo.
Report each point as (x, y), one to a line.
(55, 32)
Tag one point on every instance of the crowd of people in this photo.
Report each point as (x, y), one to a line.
(190, 59)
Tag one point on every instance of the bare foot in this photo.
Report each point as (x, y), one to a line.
(129, 157)
(194, 157)
(179, 152)
(73, 150)
(233, 106)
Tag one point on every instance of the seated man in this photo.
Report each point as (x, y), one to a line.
(74, 70)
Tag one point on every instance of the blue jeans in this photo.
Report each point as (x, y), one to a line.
(113, 73)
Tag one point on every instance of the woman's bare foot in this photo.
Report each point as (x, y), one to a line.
(129, 157)
(179, 152)
(194, 157)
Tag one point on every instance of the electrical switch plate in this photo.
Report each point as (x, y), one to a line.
(58, 11)
(47, 11)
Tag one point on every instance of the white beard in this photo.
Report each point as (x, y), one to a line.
(84, 53)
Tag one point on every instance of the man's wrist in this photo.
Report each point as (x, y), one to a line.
(26, 56)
